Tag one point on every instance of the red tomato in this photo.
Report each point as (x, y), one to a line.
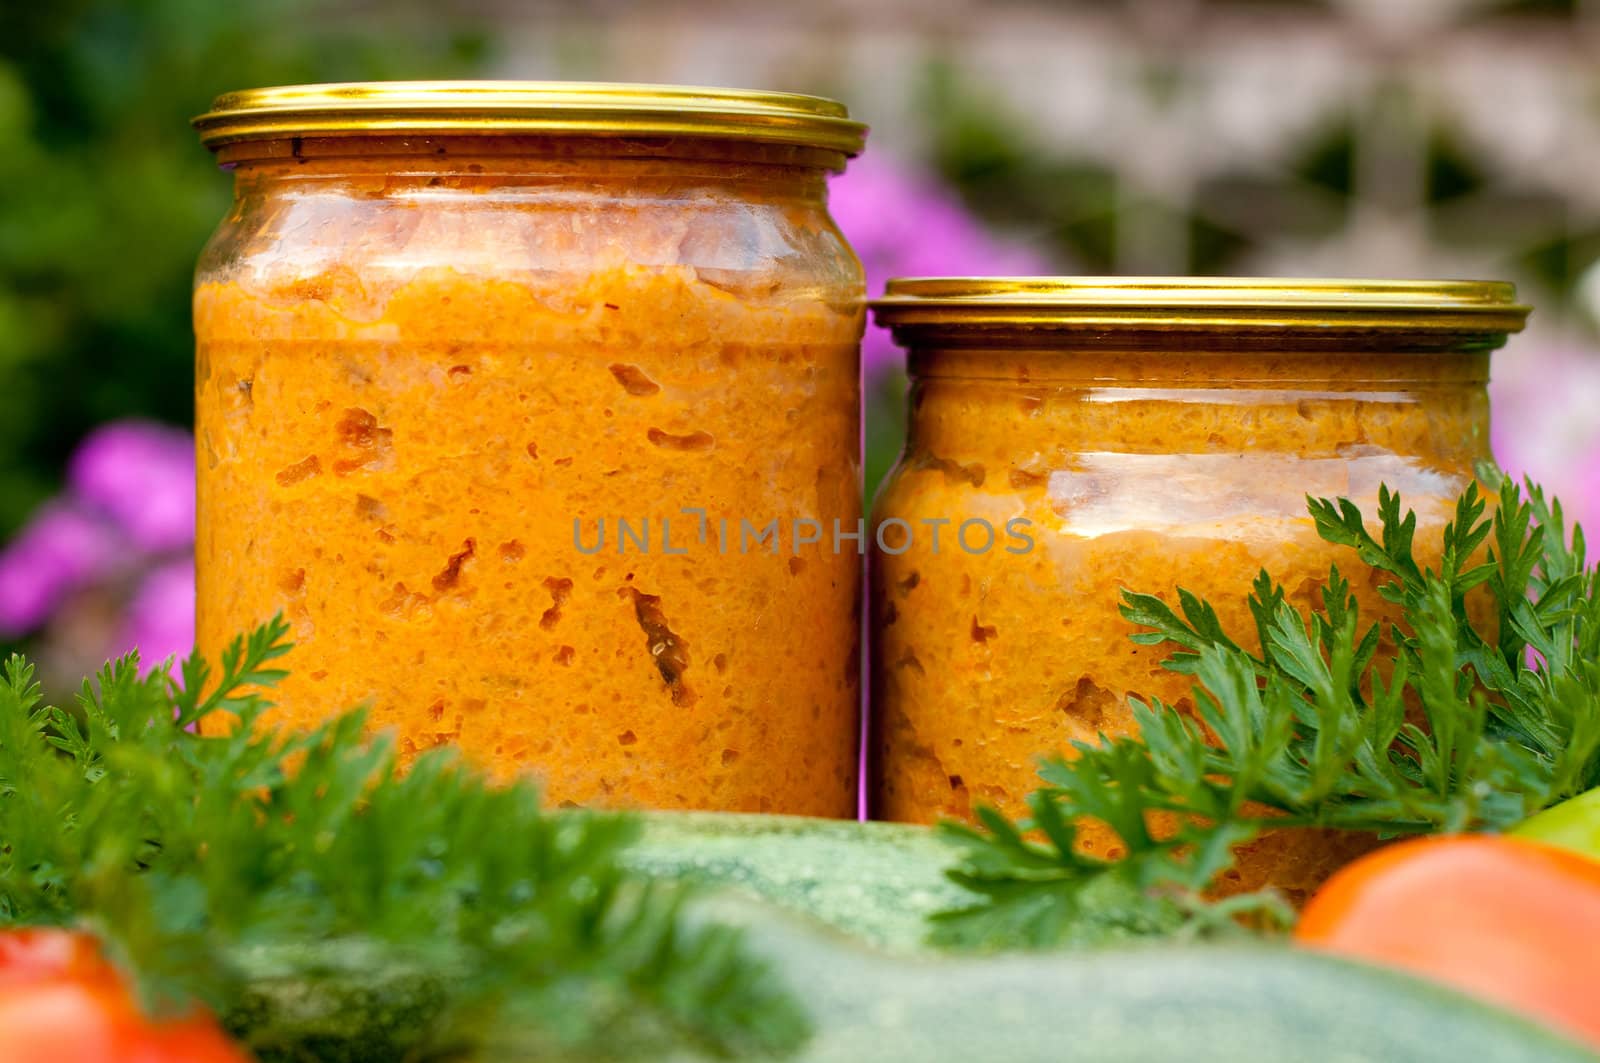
(61, 1002)
(1510, 921)
(35, 954)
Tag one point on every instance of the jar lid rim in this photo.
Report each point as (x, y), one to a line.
(552, 107)
(1216, 304)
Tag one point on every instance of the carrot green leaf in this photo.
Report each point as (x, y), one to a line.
(1479, 708)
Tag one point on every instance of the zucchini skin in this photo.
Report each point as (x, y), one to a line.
(839, 909)
(1152, 1004)
(876, 882)
(1189, 1003)
(339, 1002)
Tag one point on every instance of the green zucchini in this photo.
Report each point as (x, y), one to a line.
(1151, 1004)
(335, 1002)
(1573, 824)
(878, 882)
(838, 910)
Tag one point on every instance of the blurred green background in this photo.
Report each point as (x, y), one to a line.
(1312, 137)
(108, 196)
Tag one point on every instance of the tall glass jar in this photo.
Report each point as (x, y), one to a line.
(1072, 438)
(485, 373)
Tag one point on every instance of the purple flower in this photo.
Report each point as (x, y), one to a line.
(61, 549)
(904, 224)
(140, 474)
(1550, 432)
(160, 619)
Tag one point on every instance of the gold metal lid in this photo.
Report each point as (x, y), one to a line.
(1472, 313)
(578, 108)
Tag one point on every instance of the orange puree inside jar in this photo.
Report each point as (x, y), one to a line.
(1144, 454)
(472, 412)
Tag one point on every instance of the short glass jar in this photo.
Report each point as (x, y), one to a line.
(1072, 438)
(482, 369)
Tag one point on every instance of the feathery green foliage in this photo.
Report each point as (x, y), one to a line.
(1315, 728)
(196, 857)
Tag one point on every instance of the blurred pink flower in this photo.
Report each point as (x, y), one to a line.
(141, 475)
(904, 223)
(160, 618)
(1545, 424)
(61, 549)
(115, 544)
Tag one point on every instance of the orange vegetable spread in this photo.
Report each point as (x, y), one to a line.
(472, 413)
(1112, 459)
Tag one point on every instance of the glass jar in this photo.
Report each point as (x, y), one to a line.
(1072, 438)
(485, 373)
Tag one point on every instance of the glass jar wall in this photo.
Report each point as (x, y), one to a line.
(1071, 439)
(482, 371)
